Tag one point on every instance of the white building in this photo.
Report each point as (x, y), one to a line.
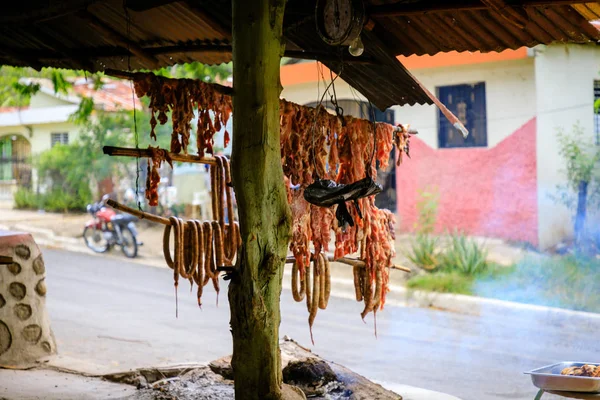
(28, 131)
(497, 182)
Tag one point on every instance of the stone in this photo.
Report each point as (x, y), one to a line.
(312, 375)
(222, 367)
(47, 347)
(25, 332)
(23, 251)
(38, 265)
(14, 268)
(5, 338)
(23, 311)
(40, 288)
(32, 333)
(17, 290)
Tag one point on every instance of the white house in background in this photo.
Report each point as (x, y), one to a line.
(28, 131)
(497, 182)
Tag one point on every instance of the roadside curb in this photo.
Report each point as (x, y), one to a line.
(462, 304)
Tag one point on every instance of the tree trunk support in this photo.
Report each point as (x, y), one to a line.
(265, 219)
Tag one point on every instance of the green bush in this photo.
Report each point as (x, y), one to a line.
(54, 201)
(423, 252)
(464, 256)
(427, 208)
(26, 199)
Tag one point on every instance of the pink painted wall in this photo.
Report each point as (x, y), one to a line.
(488, 192)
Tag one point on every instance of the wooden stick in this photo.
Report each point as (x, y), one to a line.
(350, 261)
(141, 153)
(138, 213)
(226, 90)
(165, 221)
(6, 260)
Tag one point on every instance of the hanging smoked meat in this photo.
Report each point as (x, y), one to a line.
(315, 145)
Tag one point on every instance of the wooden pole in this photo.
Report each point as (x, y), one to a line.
(146, 153)
(265, 218)
(165, 221)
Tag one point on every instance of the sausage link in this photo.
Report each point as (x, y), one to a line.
(232, 243)
(219, 183)
(176, 230)
(298, 294)
(208, 253)
(167, 245)
(315, 298)
(213, 191)
(325, 281)
(308, 288)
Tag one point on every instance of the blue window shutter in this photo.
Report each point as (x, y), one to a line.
(468, 103)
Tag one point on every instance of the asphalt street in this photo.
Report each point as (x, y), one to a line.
(109, 311)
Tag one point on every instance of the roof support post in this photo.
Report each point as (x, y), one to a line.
(264, 215)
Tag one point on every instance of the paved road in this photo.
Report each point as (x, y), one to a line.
(111, 312)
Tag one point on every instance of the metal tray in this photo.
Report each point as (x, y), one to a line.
(549, 378)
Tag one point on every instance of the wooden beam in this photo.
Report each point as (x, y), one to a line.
(82, 56)
(24, 59)
(95, 22)
(407, 9)
(145, 153)
(226, 90)
(6, 260)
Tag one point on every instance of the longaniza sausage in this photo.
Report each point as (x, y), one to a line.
(298, 294)
(315, 297)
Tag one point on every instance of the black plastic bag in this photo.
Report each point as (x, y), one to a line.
(326, 193)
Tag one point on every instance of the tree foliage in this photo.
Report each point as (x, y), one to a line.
(582, 164)
(74, 168)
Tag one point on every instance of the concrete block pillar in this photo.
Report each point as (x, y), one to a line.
(25, 334)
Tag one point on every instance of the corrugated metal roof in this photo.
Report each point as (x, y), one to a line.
(97, 34)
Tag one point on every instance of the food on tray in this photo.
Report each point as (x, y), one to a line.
(585, 370)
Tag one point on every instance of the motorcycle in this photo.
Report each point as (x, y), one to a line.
(107, 229)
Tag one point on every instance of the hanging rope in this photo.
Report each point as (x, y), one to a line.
(135, 130)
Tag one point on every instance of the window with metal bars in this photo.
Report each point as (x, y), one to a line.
(59, 138)
(597, 112)
(468, 103)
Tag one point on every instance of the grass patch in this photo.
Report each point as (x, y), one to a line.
(456, 281)
(443, 282)
(571, 282)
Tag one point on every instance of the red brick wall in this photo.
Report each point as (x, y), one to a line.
(485, 192)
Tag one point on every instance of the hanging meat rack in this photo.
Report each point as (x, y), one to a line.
(144, 153)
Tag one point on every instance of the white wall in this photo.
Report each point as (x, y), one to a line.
(564, 76)
(40, 136)
(510, 96)
(42, 100)
(509, 91)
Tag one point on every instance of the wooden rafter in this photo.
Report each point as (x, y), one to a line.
(80, 55)
(119, 39)
(404, 9)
